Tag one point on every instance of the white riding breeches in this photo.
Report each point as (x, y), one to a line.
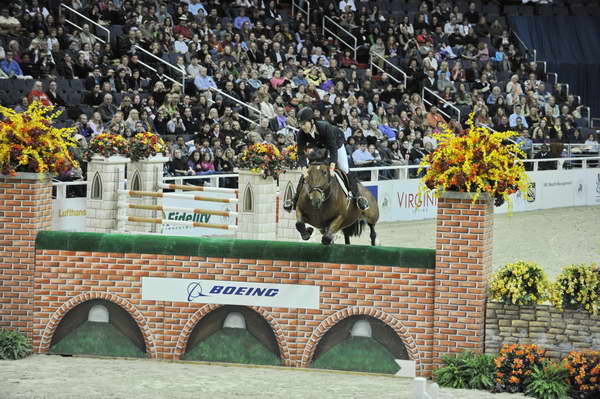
(342, 159)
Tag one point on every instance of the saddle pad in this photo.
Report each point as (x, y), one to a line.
(342, 178)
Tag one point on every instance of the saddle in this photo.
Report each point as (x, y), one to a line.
(343, 179)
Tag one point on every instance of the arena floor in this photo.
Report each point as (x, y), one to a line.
(52, 377)
(553, 238)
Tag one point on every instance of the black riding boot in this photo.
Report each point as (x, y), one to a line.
(288, 205)
(361, 201)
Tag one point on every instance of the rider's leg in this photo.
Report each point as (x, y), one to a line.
(288, 205)
(342, 164)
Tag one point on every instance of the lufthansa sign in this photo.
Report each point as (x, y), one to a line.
(230, 293)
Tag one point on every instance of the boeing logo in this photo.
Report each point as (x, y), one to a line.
(194, 290)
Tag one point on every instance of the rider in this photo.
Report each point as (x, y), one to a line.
(322, 134)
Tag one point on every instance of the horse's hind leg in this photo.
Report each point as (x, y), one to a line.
(373, 233)
(346, 238)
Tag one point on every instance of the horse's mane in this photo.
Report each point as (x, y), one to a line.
(318, 155)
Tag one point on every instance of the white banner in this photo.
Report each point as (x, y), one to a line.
(398, 199)
(201, 218)
(230, 293)
(68, 214)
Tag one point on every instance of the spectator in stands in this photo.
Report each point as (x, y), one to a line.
(517, 114)
(10, 66)
(107, 109)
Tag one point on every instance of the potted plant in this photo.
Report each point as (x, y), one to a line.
(290, 156)
(262, 158)
(29, 142)
(479, 161)
(108, 145)
(146, 145)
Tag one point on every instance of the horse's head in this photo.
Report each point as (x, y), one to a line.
(318, 181)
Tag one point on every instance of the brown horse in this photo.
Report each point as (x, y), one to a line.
(323, 204)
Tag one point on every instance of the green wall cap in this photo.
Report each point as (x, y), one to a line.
(234, 248)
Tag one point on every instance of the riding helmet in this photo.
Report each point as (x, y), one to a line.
(305, 115)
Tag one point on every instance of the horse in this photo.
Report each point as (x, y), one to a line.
(322, 203)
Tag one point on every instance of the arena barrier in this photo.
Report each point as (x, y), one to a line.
(123, 219)
(193, 298)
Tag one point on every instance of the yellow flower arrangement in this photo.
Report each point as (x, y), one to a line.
(577, 287)
(290, 156)
(262, 158)
(30, 143)
(520, 283)
(478, 161)
(108, 144)
(144, 145)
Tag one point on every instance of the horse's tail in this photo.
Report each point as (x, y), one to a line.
(355, 229)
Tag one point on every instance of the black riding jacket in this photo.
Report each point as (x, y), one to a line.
(326, 136)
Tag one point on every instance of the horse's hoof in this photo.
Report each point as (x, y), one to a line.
(308, 233)
(326, 240)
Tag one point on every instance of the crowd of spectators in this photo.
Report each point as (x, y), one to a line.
(255, 52)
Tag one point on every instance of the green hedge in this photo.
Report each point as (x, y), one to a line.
(233, 248)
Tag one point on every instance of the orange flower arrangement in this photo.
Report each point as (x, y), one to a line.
(514, 365)
(108, 144)
(262, 158)
(30, 143)
(290, 156)
(479, 161)
(584, 373)
(144, 145)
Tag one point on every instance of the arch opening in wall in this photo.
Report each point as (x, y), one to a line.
(248, 200)
(360, 343)
(96, 190)
(233, 334)
(98, 327)
(289, 193)
(136, 184)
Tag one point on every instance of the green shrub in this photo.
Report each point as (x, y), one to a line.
(520, 283)
(13, 345)
(548, 381)
(466, 370)
(578, 287)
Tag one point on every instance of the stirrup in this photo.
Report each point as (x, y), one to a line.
(288, 205)
(362, 203)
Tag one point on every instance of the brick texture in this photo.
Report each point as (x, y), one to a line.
(463, 262)
(25, 209)
(400, 297)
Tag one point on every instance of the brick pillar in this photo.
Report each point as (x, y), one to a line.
(463, 263)
(25, 209)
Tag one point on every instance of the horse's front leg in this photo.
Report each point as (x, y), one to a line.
(305, 233)
(334, 227)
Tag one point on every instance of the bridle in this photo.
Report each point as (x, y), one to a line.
(323, 189)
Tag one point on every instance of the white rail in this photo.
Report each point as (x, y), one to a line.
(297, 5)
(442, 100)
(386, 62)
(175, 67)
(354, 47)
(97, 25)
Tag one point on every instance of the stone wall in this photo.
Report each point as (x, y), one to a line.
(557, 332)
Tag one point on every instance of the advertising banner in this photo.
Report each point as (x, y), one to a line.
(68, 214)
(195, 217)
(230, 293)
